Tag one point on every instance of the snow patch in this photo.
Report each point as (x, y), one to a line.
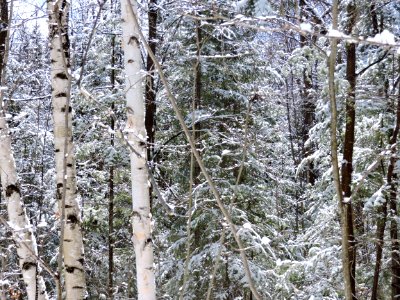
(247, 225)
(306, 27)
(265, 240)
(385, 37)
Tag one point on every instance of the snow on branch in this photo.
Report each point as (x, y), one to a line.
(384, 39)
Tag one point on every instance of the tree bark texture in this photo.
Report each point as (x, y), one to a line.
(22, 231)
(150, 91)
(71, 243)
(23, 235)
(136, 133)
(393, 186)
(3, 33)
(348, 148)
(335, 164)
(111, 189)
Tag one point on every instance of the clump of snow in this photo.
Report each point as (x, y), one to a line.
(265, 240)
(225, 152)
(335, 33)
(247, 225)
(306, 27)
(385, 37)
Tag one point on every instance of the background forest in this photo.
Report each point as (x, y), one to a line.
(255, 81)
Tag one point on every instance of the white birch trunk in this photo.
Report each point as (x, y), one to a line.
(22, 231)
(71, 244)
(23, 235)
(135, 128)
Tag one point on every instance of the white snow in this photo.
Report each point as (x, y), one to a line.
(225, 152)
(265, 240)
(385, 37)
(306, 27)
(247, 225)
(335, 33)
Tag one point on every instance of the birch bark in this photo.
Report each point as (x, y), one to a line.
(71, 243)
(23, 235)
(136, 132)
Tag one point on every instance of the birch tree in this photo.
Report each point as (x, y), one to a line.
(23, 234)
(71, 257)
(136, 132)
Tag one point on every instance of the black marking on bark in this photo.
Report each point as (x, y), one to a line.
(70, 269)
(140, 168)
(142, 144)
(78, 287)
(68, 206)
(67, 240)
(57, 150)
(147, 242)
(69, 109)
(27, 265)
(135, 214)
(61, 75)
(133, 39)
(69, 165)
(81, 260)
(130, 61)
(59, 191)
(60, 95)
(12, 188)
(72, 219)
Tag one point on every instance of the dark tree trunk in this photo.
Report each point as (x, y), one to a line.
(150, 92)
(347, 166)
(197, 97)
(308, 106)
(391, 179)
(3, 32)
(393, 182)
(111, 189)
(150, 89)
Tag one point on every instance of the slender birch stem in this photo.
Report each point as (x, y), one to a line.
(71, 240)
(136, 134)
(23, 234)
(192, 144)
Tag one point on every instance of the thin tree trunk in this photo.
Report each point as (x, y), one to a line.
(391, 179)
(71, 242)
(3, 262)
(347, 165)
(150, 91)
(111, 189)
(136, 135)
(335, 164)
(194, 168)
(23, 235)
(203, 169)
(308, 108)
(393, 183)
